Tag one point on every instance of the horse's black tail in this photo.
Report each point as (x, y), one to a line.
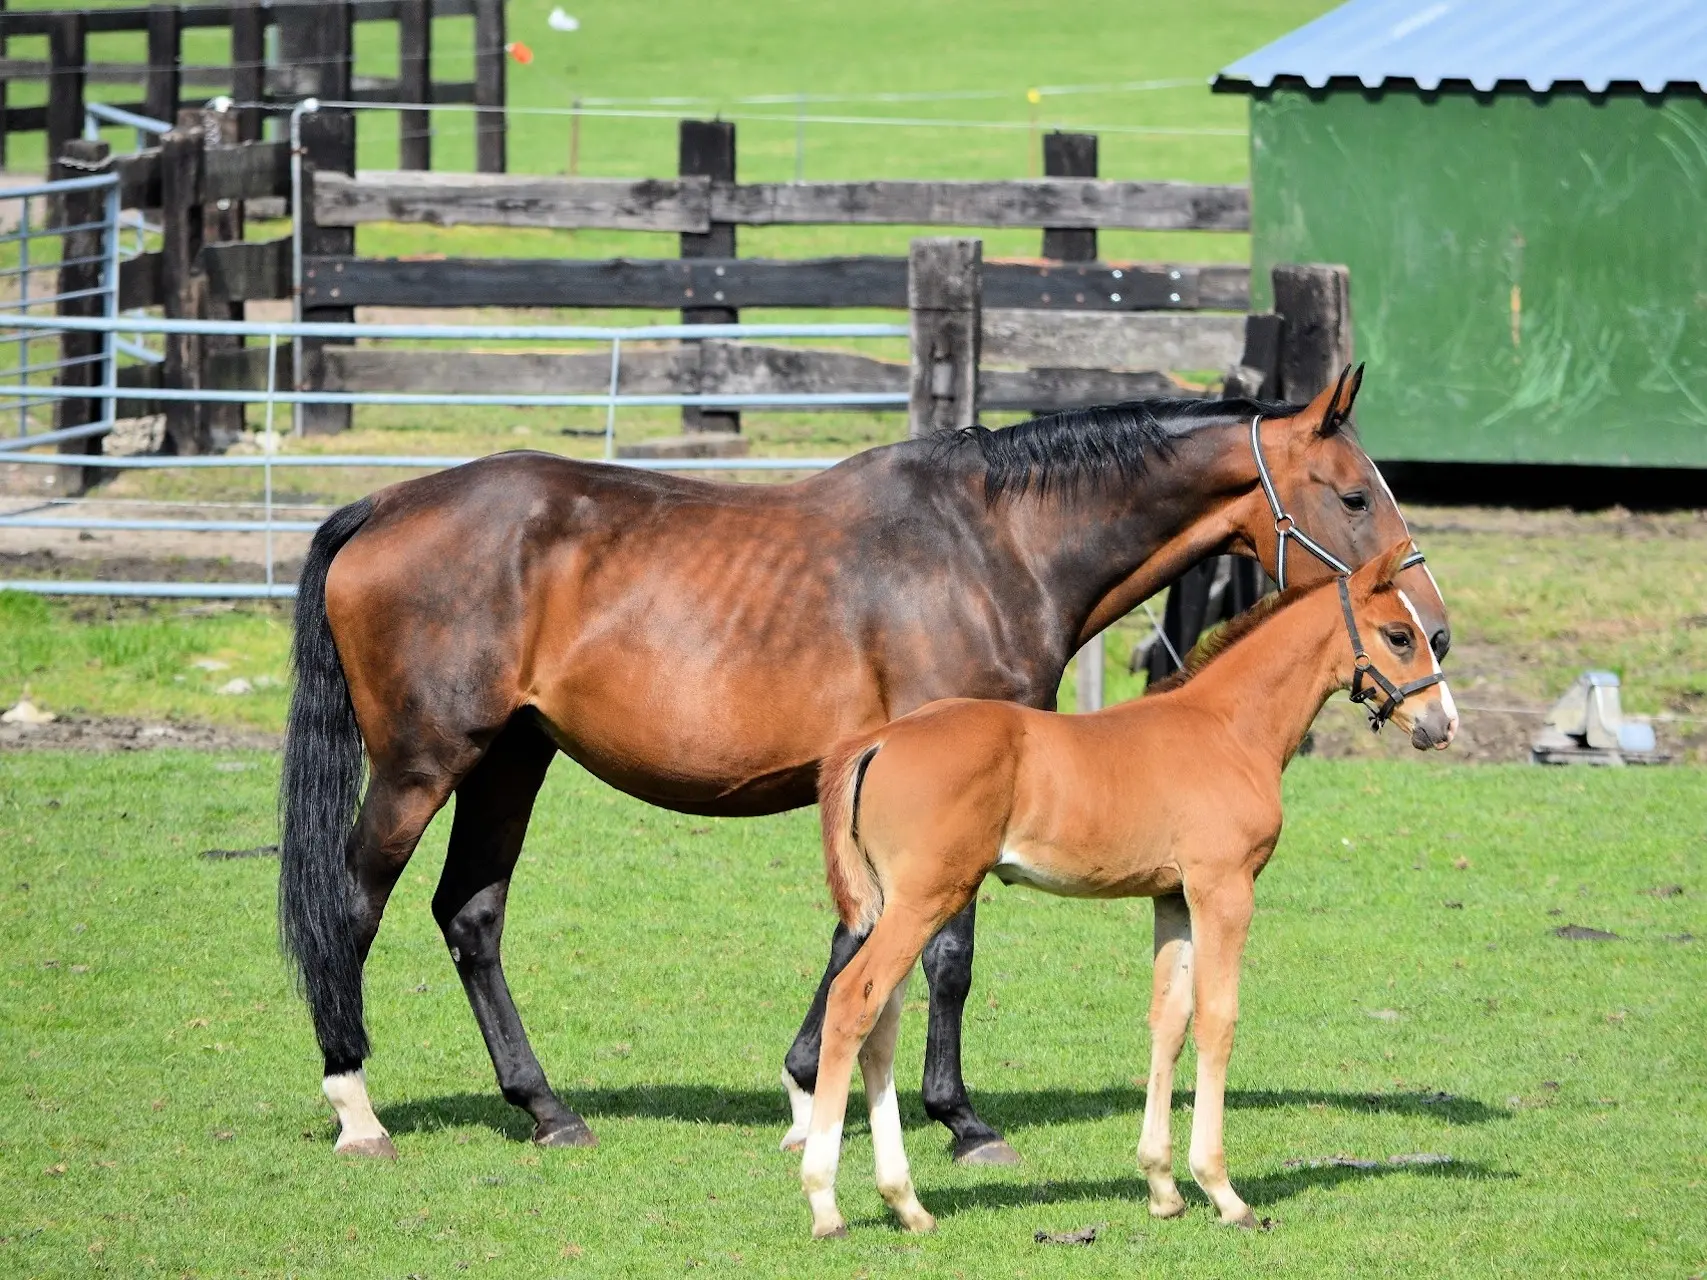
(318, 794)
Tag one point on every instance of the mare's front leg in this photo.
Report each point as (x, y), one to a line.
(1170, 1012)
(493, 805)
(800, 1068)
(948, 971)
(1220, 919)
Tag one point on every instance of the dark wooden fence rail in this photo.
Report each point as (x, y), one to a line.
(1030, 335)
(315, 59)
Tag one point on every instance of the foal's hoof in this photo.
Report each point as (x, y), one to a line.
(379, 1148)
(1166, 1208)
(791, 1142)
(572, 1132)
(837, 1232)
(1246, 1221)
(986, 1151)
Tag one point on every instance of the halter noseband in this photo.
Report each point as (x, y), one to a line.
(1285, 528)
(1363, 667)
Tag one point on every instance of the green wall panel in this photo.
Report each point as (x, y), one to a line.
(1528, 276)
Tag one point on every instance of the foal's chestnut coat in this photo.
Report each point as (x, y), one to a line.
(1174, 797)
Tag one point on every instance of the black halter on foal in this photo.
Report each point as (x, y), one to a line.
(1365, 694)
(1286, 529)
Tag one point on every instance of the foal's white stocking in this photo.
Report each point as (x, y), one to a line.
(1170, 1012)
(359, 1131)
(877, 1065)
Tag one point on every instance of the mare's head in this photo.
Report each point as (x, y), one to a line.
(1387, 662)
(1330, 491)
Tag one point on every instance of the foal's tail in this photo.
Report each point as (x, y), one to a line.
(853, 880)
(318, 793)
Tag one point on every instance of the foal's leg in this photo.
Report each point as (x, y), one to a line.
(877, 1064)
(1220, 919)
(1170, 1011)
(493, 805)
(948, 971)
(857, 997)
(800, 1068)
(394, 813)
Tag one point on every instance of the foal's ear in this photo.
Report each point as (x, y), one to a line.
(1334, 407)
(1391, 560)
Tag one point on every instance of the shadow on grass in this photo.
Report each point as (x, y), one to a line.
(1259, 1192)
(1006, 1109)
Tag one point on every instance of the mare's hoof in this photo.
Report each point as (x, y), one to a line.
(1245, 1222)
(987, 1151)
(379, 1148)
(572, 1132)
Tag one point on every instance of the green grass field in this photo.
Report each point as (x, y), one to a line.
(1404, 994)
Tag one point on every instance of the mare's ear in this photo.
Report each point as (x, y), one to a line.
(1378, 574)
(1332, 410)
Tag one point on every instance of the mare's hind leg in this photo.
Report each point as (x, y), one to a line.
(493, 804)
(1170, 1012)
(948, 971)
(396, 810)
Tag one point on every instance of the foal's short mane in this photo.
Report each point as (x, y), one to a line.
(1108, 444)
(1229, 633)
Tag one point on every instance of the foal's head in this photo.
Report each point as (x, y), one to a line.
(1388, 664)
(1334, 494)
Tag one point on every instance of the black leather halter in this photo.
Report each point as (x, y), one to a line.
(1364, 668)
(1286, 529)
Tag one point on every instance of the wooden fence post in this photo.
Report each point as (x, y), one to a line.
(1314, 303)
(945, 287)
(85, 252)
(1070, 155)
(67, 53)
(164, 80)
(222, 222)
(248, 65)
(415, 82)
(489, 70)
(319, 36)
(3, 40)
(183, 289)
(707, 148)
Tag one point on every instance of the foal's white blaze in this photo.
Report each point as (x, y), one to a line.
(1446, 703)
(357, 1123)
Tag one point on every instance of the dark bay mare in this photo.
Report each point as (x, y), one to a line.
(702, 646)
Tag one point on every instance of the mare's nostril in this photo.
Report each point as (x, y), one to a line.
(1440, 642)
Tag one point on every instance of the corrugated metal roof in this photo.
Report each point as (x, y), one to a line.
(1541, 43)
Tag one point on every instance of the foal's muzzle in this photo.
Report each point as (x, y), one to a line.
(1433, 727)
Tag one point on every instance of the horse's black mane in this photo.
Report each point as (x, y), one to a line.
(1108, 444)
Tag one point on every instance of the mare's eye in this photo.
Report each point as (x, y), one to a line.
(1399, 638)
(1358, 501)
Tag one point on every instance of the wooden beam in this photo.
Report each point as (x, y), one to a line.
(140, 281)
(246, 269)
(453, 199)
(181, 286)
(705, 151)
(80, 274)
(248, 170)
(67, 51)
(663, 284)
(1101, 340)
(566, 202)
(1053, 202)
(163, 78)
(248, 65)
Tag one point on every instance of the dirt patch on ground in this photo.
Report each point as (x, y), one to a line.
(93, 733)
(96, 560)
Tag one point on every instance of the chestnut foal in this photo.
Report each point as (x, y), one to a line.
(1174, 797)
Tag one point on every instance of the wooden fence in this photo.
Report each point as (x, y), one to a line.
(314, 58)
(1037, 334)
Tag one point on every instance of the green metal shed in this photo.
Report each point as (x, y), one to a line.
(1520, 190)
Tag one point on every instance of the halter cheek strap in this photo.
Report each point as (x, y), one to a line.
(1364, 668)
(1286, 528)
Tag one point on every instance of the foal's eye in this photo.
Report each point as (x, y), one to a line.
(1358, 501)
